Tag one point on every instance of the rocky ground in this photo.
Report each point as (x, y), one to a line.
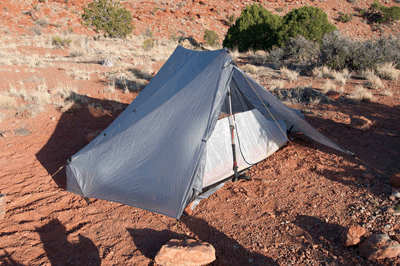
(294, 211)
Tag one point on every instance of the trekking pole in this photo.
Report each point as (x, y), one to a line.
(232, 127)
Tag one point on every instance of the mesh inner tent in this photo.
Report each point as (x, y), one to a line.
(239, 102)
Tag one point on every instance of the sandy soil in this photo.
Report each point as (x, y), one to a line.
(293, 211)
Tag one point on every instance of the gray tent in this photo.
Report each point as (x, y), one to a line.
(173, 144)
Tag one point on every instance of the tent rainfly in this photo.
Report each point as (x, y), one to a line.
(197, 124)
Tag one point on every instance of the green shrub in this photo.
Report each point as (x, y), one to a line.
(148, 44)
(231, 19)
(42, 1)
(211, 38)
(381, 14)
(345, 17)
(256, 29)
(341, 52)
(108, 16)
(259, 29)
(310, 22)
(57, 40)
(279, 9)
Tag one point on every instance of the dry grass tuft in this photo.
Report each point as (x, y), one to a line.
(362, 95)
(248, 68)
(387, 93)
(79, 73)
(367, 73)
(388, 71)
(326, 72)
(290, 74)
(277, 84)
(234, 53)
(329, 86)
(76, 53)
(339, 77)
(346, 73)
(317, 72)
(39, 97)
(375, 82)
(7, 102)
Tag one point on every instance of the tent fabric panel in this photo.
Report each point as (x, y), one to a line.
(267, 97)
(180, 69)
(258, 140)
(151, 163)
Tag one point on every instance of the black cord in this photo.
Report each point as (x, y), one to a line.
(240, 147)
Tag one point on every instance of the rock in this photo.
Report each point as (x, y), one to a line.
(352, 235)
(186, 252)
(22, 132)
(3, 200)
(379, 246)
(92, 135)
(334, 95)
(360, 122)
(396, 195)
(188, 209)
(368, 176)
(395, 180)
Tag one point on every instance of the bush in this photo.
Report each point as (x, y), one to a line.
(256, 29)
(57, 40)
(382, 14)
(310, 22)
(211, 38)
(340, 52)
(345, 17)
(108, 16)
(148, 44)
(300, 50)
(259, 29)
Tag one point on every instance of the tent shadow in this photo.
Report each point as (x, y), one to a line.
(228, 250)
(6, 260)
(378, 146)
(69, 135)
(62, 252)
(149, 241)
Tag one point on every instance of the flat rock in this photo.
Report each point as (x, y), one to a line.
(22, 132)
(334, 95)
(379, 246)
(188, 252)
(360, 122)
(395, 180)
(352, 235)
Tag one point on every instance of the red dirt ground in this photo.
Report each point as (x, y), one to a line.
(292, 213)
